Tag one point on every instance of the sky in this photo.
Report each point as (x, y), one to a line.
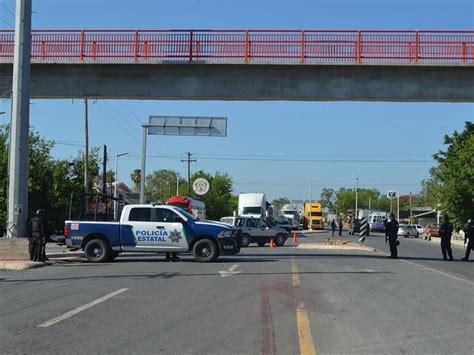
(294, 145)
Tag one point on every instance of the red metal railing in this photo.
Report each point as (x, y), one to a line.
(249, 46)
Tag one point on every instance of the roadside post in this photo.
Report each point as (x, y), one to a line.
(179, 126)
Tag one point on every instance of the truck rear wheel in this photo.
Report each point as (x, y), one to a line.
(97, 251)
(205, 250)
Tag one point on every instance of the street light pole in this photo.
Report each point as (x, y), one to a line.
(115, 184)
(357, 199)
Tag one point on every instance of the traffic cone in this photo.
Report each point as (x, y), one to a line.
(272, 243)
(295, 238)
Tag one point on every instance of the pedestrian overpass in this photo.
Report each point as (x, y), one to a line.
(305, 65)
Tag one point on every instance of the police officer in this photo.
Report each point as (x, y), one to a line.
(333, 227)
(391, 232)
(445, 233)
(469, 235)
(37, 237)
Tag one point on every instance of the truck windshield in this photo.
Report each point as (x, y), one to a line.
(252, 210)
(188, 215)
(183, 206)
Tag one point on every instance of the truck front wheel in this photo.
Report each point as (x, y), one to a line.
(97, 251)
(205, 250)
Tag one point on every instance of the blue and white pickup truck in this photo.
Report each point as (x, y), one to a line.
(152, 228)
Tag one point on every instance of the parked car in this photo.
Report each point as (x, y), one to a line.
(408, 230)
(283, 224)
(420, 229)
(256, 230)
(432, 230)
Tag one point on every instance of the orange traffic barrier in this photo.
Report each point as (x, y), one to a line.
(272, 243)
(295, 238)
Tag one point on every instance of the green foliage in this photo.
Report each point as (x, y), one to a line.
(453, 179)
(160, 185)
(219, 200)
(345, 200)
(328, 198)
(50, 181)
(279, 202)
(136, 176)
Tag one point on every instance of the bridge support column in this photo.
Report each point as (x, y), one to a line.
(20, 124)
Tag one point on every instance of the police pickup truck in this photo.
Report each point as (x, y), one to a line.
(152, 228)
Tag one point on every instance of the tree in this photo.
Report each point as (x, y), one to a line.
(453, 178)
(110, 176)
(50, 181)
(279, 202)
(327, 198)
(219, 200)
(136, 178)
(161, 185)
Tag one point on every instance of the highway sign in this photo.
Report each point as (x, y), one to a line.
(201, 186)
(187, 126)
(392, 194)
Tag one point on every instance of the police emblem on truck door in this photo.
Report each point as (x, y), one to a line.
(175, 236)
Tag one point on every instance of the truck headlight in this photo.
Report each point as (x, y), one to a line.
(225, 234)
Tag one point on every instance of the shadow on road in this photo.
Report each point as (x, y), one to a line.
(169, 275)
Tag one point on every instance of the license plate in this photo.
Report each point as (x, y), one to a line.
(228, 247)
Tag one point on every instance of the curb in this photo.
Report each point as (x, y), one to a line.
(321, 246)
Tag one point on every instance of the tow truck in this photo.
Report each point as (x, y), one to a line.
(152, 228)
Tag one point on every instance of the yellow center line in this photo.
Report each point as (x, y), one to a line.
(294, 273)
(305, 337)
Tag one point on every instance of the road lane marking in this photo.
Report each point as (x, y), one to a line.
(294, 273)
(438, 272)
(431, 269)
(81, 308)
(304, 331)
(231, 271)
(305, 338)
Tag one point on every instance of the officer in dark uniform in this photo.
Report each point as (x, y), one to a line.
(37, 236)
(445, 233)
(469, 235)
(391, 232)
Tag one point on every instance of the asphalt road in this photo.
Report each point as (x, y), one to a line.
(264, 301)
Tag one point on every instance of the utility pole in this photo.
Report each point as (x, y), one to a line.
(369, 202)
(411, 211)
(356, 216)
(104, 172)
(20, 123)
(398, 206)
(86, 151)
(189, 161)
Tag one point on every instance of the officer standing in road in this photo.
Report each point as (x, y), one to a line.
(469, 235)
(391, 232)
(445, 233)
(333, 227)
(37, 236)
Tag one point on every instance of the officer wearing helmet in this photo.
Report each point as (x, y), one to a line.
(469, 235)
(391, 233)
(37, 233)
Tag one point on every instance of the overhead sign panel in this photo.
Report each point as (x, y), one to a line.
(188, 126)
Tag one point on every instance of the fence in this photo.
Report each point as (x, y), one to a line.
(247, 46)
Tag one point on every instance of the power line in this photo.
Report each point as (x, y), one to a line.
(8, 10)
(292, 160)
(163, 143)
